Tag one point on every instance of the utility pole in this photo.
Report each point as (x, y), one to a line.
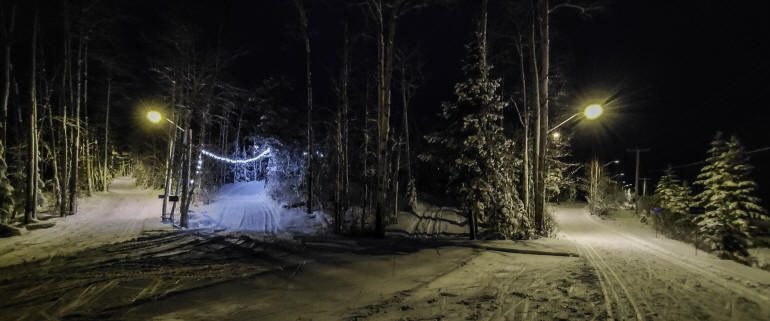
(638, 151)
(644, 185)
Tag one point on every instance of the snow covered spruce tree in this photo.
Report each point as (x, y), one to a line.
(728, 199)
(675, 198)
(481, 159)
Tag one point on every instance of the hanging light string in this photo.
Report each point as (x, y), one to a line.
(261, 155)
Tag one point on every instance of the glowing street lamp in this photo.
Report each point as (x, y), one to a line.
(591, 112)
(154, 116)
(611, 162)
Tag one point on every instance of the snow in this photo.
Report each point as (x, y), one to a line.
(119, 215)
(428, 221)
(646, 276)
(247, 207)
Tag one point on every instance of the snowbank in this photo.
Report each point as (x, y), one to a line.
(430, 221)
(247, 207)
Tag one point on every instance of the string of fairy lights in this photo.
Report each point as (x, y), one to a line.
(228, 160)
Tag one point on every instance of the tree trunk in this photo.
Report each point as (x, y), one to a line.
(365, 176)
(74, 187)
(537, 169)
(545, 44)
(385, 39)
(105, 160)
(309, 83)
(54, 153)
(525, 123)
(411, 188)
(64, 183)
(185, 200)
(30, 210)
(7, 34)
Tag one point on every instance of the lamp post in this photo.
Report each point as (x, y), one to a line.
(156, 117)
(611, 162)
(591, 112)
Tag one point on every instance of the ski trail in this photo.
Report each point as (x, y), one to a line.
(678, 260)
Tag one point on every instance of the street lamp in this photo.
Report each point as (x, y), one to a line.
(611, 162)
(155, 117)
(591, 112)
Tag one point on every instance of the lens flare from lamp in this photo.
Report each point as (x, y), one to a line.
(154, 116)
(593, 111)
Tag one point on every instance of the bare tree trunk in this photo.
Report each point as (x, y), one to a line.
(365, 176)
(64, 183)
(105, 169)
(89, 160)
(7, 34)
(30, 210)
(183, 208)
(411, 188)
(538, 183)
(309, 83)
(54, 153)
(385, 39)
(545, 44)
(394, 178)
(76, 139)
(525, 122)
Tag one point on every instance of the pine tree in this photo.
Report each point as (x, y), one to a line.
(728, 197)
(674, 197)
(482, 167)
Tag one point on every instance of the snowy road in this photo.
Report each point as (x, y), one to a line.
(644, 277)
(118, 215)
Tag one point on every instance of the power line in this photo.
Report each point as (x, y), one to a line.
(701, 162)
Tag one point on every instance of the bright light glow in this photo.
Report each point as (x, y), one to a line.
(556, 135)
(154, 116)
(593, 111)
(264, 153)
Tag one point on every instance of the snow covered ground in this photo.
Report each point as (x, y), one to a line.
(116, 261)
(428, 221)
(646, 277)
(247, 207)
(119, 215)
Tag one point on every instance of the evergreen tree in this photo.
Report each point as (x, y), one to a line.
(482, 168)
(674, 197)
(728, 197)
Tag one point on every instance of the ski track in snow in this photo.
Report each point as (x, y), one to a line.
(248, 207)
(106, 217)
(648, 278)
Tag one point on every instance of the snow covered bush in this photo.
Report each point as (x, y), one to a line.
(600, 193)
(674, 197)
(728, 198)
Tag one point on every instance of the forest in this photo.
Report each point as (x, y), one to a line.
(338, 125)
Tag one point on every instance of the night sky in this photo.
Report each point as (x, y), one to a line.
(677, 71)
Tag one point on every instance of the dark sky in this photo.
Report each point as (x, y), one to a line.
(680, 70)
(683, 70)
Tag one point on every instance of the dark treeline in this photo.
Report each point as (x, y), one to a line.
(348, 92)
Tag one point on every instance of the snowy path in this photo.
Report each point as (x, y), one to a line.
(248, 207)
(647, 278)
(121, 214)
